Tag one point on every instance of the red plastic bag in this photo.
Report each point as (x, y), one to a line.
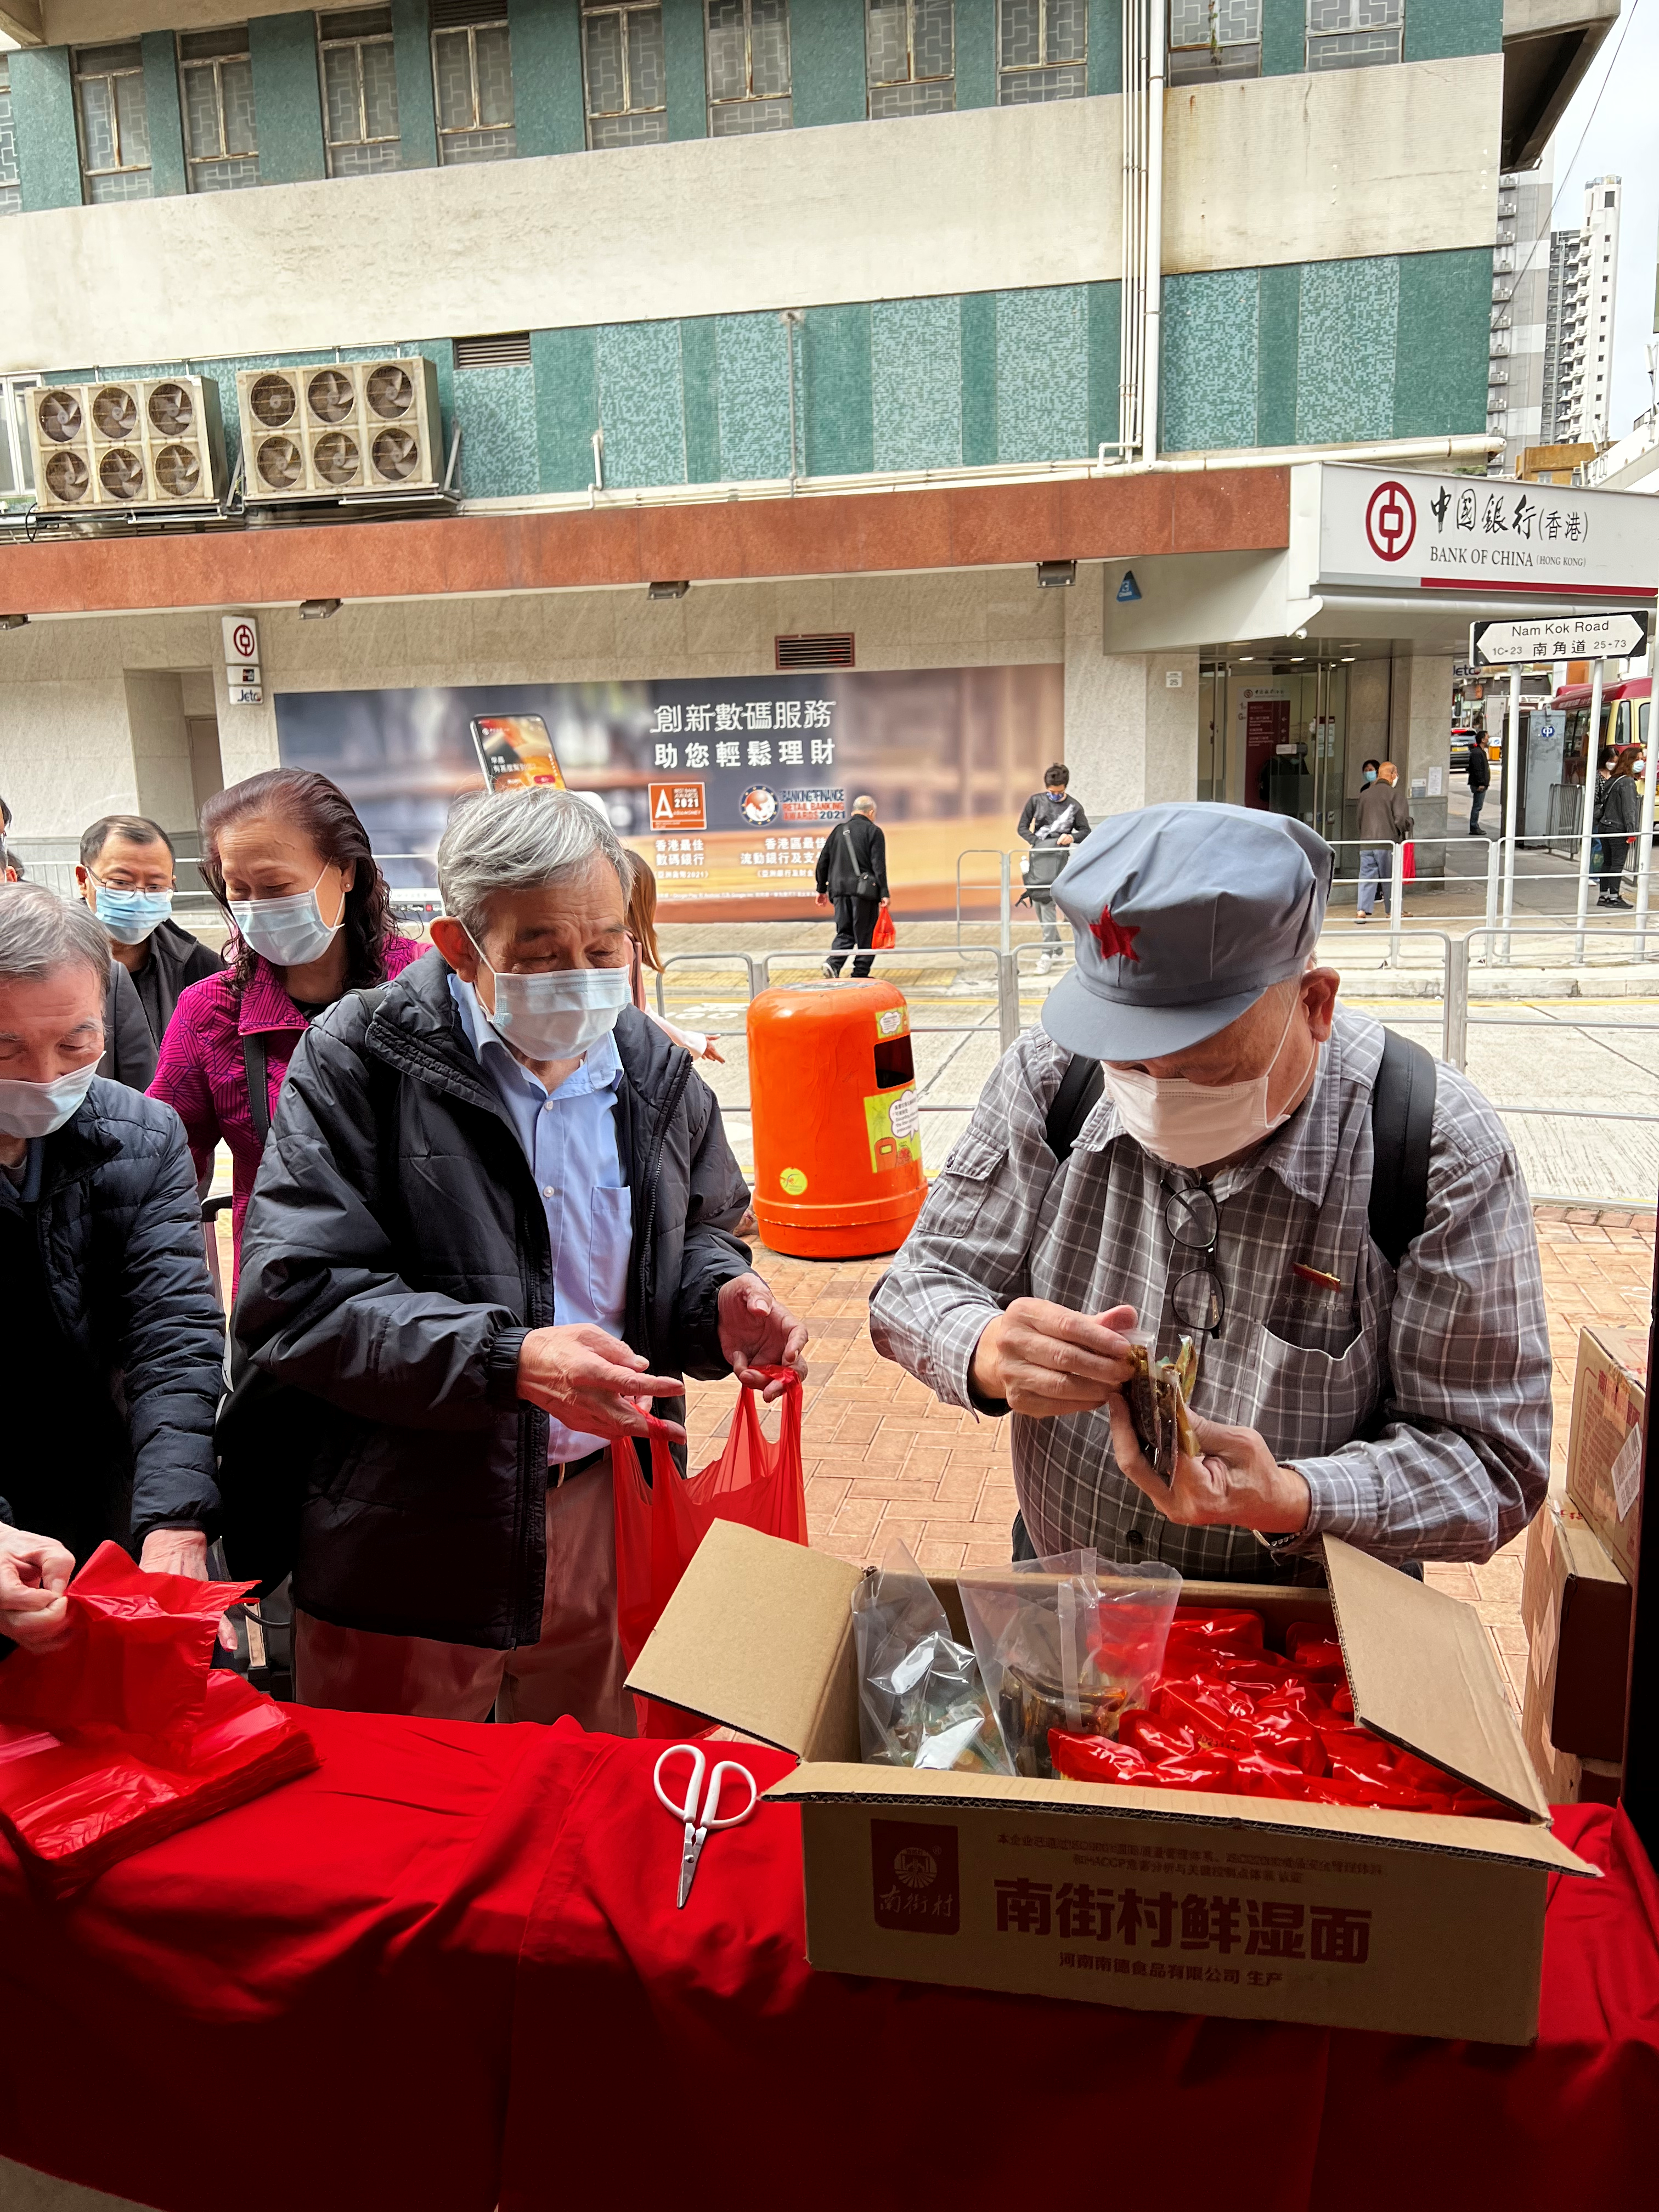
(884, 937)
(1408, 863)
(123, 1734)
(661, 1525)
(73, 1802)
(134, 1658)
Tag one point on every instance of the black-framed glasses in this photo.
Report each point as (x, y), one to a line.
(1194, 1221)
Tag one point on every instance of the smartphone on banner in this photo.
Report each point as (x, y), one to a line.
(515, 750)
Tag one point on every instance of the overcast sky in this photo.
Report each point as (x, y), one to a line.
(1613, 112)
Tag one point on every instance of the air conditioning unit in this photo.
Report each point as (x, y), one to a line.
(340, 430)
(145, 443)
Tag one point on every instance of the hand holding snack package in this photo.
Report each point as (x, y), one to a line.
(1066, 1644)
(921, 1702)
(1157, 1395)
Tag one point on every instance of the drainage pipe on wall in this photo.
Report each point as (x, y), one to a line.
(1152, 281)
(1132, 297)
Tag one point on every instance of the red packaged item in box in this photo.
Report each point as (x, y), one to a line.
(1157, 1738)
(1209, 1767)
(122, 1733)
(1316, 1651)
(1094, 1758)
(1260, 1774)
(1199, 1629)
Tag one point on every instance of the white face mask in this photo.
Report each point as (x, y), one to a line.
(35, 1109)
(289, 932)
(1191, 1124)
(558, 1014)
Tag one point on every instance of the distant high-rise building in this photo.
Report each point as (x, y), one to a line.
(1583, 283)
(1520, 291)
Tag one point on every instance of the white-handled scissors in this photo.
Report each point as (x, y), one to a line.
(698, 1823)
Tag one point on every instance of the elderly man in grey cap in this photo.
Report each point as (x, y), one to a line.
(1338, 1223)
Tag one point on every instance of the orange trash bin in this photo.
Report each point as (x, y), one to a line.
(832, 1087)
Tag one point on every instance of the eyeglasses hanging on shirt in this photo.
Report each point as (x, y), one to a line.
(1194, 1221)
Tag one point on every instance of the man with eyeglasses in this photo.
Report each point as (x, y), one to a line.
(128, 875)
(1226, 1188)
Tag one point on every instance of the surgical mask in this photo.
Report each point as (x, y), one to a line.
(1191, 1124)
(1369, 775)
(132, 916)
(558, 1014)
(35, 1109)
(289, 932)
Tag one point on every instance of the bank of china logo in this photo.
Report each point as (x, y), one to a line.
(758, 804)
(1390, 521)
(914, 1867)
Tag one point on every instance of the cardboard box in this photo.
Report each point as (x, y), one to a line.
(1604, 1445)
(1566, 1779)
(1575, 1606)
(1253, 1908)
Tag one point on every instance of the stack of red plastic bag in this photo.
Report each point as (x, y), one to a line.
(1229, 1715)
(123, 1733)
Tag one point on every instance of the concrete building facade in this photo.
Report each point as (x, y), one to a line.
(845, 313)
(1520, 298)
(1580, 316)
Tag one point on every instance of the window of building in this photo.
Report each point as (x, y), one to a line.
(1042, 49)
(625, 75)
(17, 459)
(1213, 39)
(910, 57)
(472, 79)
(1354, 33)
(359, 73)
(11, 196)
(113, 117)
(221, 152)
(747, 67)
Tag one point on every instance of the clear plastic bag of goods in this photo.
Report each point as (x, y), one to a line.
(1068, 1643)
(921, 1700)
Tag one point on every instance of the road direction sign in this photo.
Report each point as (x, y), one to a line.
(1612, 635)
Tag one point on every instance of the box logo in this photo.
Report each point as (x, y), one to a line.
(677, 806)
(913, 1869)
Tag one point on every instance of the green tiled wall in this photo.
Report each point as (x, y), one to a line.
(411, 51)
(287, 98)
(826, 62)
(688, 82)
(915, 360)
(1453, 26)
(547, 76)
(1285, 35)
(498, 449)
(167, 130)
(1042, 373)
(977, 53)
(836, 391)
(1105, 47)
(564, 367)
(43, 105)
(640, 408)
(1328, 353)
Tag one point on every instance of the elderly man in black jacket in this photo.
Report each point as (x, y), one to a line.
(497, 1210)
(114, 1341)
(852, 877)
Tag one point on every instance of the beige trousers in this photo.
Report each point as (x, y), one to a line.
(575, 1666)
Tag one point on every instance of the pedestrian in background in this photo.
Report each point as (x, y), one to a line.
(285, 855)
(642, 935)
(128, 875)
(1480, 773)
(852, 877)
(1385, 820)
(1051, 821)
(114, 1343)
(1617, 818)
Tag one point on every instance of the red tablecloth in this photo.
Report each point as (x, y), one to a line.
(446, 1968)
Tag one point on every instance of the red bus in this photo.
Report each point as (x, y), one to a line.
(1623, 721)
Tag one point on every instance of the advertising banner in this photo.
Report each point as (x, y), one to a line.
(727, 785)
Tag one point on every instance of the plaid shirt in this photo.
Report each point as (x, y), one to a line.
(1416, 1405)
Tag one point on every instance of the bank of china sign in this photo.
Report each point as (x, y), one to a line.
(1404, 531)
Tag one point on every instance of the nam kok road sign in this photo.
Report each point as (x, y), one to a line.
(1611, 636)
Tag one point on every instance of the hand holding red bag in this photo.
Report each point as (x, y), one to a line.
(883, 936)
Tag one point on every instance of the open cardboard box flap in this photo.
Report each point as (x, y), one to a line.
(758, 1636)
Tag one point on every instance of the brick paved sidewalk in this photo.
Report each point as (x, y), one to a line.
(885, 1459)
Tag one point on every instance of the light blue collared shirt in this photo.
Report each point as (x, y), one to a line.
(569, 1138)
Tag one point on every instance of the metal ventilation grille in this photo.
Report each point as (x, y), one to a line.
(505, 351)
(456, 14)
(823, 649)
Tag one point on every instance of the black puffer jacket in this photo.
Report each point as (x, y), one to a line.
(108, 1225)
(394, 1256)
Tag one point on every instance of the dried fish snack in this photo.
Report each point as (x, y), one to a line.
(921, 1700)
(1156, 1394)
(1029, 1705)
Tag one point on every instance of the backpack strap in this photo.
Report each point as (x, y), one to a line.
(1079, 1087)
(259, 1085)
(1402, 1123)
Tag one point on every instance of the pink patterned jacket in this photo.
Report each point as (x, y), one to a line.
(201, 1072)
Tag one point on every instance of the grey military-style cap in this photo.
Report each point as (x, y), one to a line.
(1182, 917)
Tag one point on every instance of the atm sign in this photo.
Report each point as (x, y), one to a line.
(676, 806)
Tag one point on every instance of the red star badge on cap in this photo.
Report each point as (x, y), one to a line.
(1115, 939)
